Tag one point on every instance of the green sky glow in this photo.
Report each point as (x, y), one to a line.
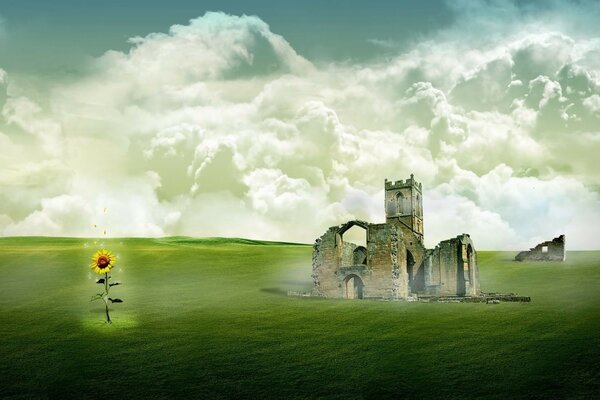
(56, 37)
(272, 121)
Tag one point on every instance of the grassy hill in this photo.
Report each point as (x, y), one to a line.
(208, 318)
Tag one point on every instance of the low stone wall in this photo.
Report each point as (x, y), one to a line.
(488, 298)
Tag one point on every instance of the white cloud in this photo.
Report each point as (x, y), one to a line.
(219, 127)
(592, 103)
(28, 116)
(61, 215)
(511, 210)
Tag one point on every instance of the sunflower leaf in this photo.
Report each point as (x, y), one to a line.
(97, 296)
(115, 300)
(114, 284)
(101, 280)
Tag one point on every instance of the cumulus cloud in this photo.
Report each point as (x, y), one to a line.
(502, 207)
(219, 127)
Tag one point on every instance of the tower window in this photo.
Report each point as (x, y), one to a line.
(403, 204)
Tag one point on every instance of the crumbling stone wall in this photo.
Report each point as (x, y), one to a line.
(451, 268)
(383, 275)
(416, 252)
(324, 263)
(388, 271)
(317, 265)
(398, 266)
(553, 250)
(348, 253)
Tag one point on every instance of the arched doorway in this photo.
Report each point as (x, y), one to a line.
(353, 287)
(410, 266)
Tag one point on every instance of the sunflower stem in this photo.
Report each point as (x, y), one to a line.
(106, 297)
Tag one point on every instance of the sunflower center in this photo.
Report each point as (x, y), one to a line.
(102, 262)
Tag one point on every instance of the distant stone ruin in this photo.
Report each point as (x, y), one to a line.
(553, 250)
(394, 263)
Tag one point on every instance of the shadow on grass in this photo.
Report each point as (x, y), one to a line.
(275, 291)
(296, 283)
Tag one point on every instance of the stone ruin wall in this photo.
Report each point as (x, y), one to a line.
(384, 276)
(553, 250)
(388, 270)
(440, 281)
(414, 245)
(443, 271)
(324, 264)
(448, 270)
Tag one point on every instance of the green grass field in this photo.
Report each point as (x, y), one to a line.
(210, 319)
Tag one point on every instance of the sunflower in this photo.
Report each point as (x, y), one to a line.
(102, 261)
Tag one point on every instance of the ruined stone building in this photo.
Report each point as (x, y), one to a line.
(552, 250)
(394, 264)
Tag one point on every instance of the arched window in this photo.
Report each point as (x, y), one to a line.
(353, 239)
(359, 256)
(400, 202)
(403, 204)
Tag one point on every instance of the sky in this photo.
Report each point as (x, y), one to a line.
(60, 35)
(275, 121)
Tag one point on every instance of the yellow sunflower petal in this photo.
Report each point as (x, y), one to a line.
(103, 261)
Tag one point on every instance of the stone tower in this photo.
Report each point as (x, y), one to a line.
(404, 205)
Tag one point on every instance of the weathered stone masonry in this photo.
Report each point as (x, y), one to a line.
(552, 250)
(395, 264)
